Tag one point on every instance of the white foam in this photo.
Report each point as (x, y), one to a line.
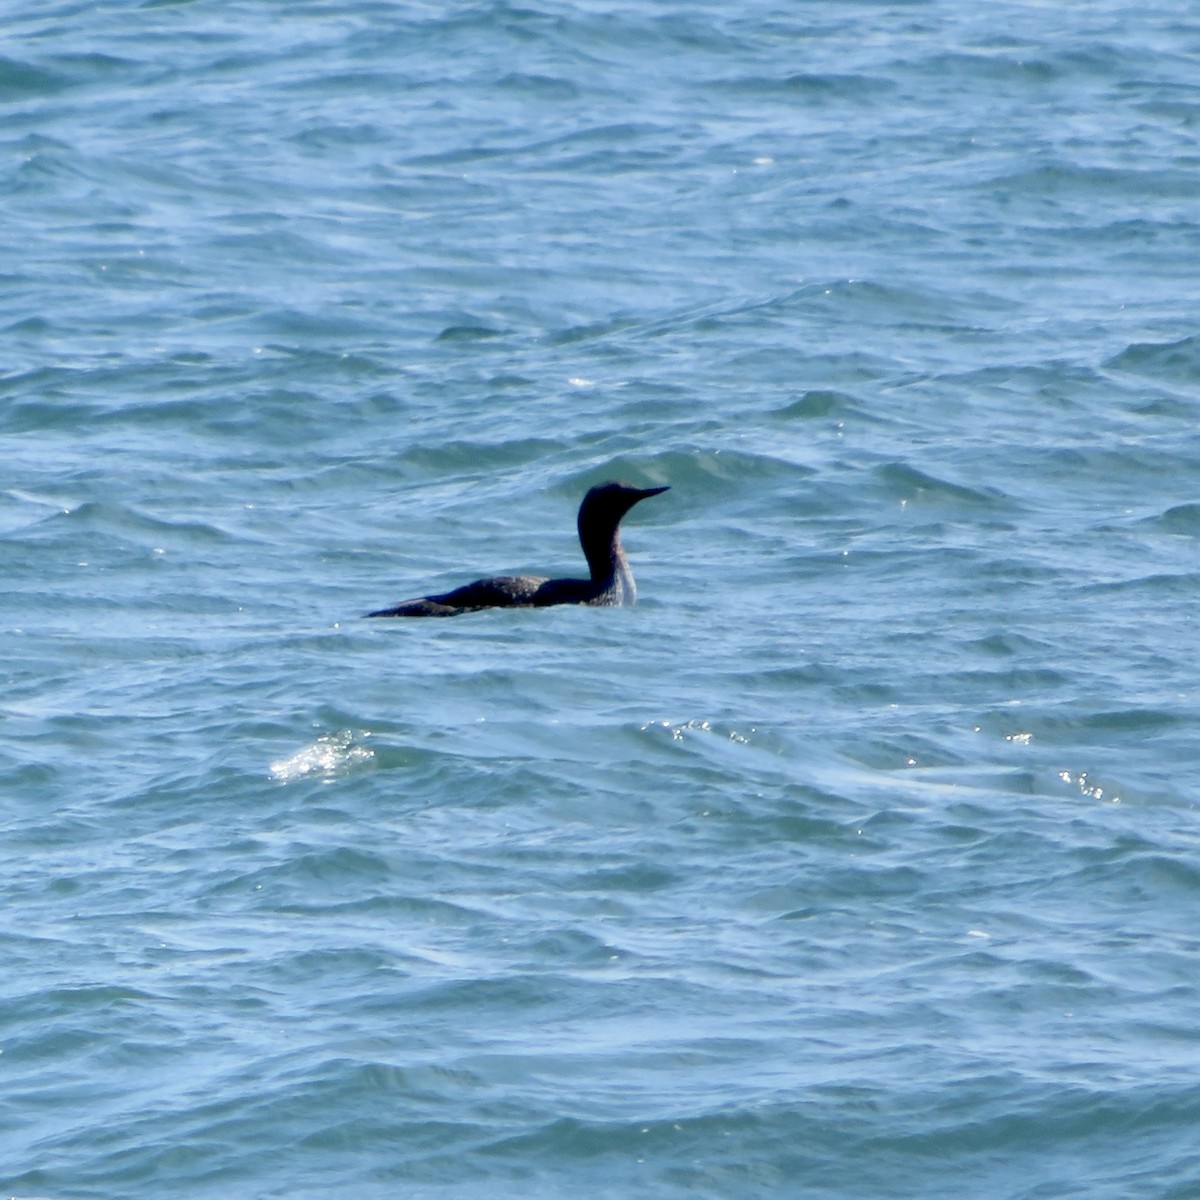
(330, 754)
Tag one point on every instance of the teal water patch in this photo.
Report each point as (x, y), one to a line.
(857, 859)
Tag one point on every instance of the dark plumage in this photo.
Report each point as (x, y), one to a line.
(611, 580)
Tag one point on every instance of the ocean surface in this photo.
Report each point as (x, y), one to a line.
(860, 860)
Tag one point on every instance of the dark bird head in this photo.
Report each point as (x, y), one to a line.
(610, 502)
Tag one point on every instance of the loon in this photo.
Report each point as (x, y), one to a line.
(611, 582)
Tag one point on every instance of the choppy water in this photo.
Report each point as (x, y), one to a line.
(861, 859)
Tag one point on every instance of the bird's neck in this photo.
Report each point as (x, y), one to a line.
(605, 556)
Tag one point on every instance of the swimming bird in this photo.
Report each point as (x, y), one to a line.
(611, 581)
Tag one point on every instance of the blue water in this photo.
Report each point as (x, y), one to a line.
(861, 859)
